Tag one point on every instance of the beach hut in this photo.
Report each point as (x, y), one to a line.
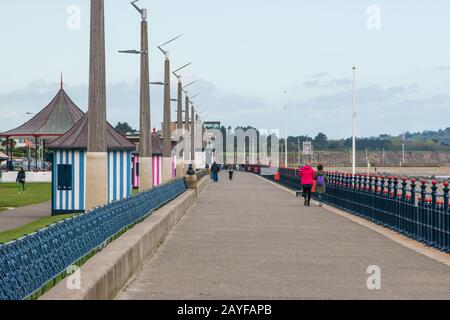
(69, 168)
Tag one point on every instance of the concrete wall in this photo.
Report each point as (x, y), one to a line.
(103, 276)
(31, 176)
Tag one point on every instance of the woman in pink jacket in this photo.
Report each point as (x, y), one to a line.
(307, 181)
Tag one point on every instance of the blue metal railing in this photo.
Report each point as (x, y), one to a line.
(28, 265)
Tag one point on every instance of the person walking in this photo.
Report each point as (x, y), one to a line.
(209, 169)
(307, 181)
(21, 176)
(215, 172)
(230, 171)
(321, 183)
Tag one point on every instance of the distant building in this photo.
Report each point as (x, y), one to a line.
(212, 125)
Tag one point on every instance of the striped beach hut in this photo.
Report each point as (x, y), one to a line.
(157, 148)
(69, 168)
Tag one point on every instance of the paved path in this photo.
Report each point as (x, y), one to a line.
(251, 240)
(18, 217)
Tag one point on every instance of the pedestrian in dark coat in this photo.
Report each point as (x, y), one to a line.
(215, 172)
(231, 169)
(21, 176)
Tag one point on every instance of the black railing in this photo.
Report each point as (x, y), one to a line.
(252, 168)
(290, 178)
(419, 212)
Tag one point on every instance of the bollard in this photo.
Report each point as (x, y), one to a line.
(422, 209)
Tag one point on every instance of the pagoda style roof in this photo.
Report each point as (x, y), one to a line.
(77, 138)
(54, 120)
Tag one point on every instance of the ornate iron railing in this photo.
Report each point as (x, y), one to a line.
(419, 211)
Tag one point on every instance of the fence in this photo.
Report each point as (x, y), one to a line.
(30, 265)
(419, 211)
(253, 168)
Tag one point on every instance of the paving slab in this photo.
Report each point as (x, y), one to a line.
(248, 239)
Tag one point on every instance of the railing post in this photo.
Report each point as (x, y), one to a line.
(446, 222)
(389, 204)
(433, 218)
(360, 199)
(404, 218)
(422, 214)
(376, 199)
(413, 212)
(383, 201)
(397, 210)
(371, 197)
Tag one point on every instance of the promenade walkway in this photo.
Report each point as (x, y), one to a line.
(249, 239)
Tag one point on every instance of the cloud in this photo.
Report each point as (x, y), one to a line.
(311, 84)
(380, 109)
(333, 83)
(339, 82)
(443, 68)
(317, 75)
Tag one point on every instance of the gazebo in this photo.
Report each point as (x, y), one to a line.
(53, 121)
(69, 167)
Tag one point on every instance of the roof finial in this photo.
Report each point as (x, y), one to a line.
(62, 82)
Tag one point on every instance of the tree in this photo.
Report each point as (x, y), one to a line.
(125, 128)
(321, 141)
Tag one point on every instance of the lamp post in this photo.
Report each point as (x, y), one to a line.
(145, 142)
(193, 136)
(285, 130)
(403, 149)
(96, 158)
(179, 162)
(167, 132)
(180, 97)
(187, 104)
(354, 123)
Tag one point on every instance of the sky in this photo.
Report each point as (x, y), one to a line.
(245, 54)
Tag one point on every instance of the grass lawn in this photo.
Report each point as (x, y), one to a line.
(30, 228)
(35, 193)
